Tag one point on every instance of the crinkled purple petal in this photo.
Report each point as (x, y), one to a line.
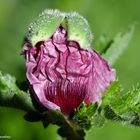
(63, 75)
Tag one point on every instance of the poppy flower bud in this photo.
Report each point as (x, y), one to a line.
(62, 70)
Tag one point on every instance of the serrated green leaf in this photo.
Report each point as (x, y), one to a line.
(120, 105)
(98, 120)
(118, 45)
(119, 100)
(84, 115)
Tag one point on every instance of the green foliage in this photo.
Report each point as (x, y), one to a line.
(84, 115)
(117, 105)
(89, 116)
(102, 44)
(112, 49)
(122, 106)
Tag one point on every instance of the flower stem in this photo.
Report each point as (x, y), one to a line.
(20, 100)
(69, 131)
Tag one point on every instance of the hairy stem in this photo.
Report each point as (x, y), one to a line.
(20, 100)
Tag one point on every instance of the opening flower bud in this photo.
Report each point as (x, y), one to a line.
(61, 73)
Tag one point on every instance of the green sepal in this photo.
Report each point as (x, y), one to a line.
(43, 27)
(79, 30)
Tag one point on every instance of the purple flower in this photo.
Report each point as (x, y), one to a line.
(62, 75)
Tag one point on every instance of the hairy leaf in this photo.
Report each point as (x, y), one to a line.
(111, 49)
(84, 115)
(120, 105)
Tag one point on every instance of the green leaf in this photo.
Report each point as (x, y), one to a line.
(120, 105)
(84, 115)
(98, 120)
(112, 51)
(102, 44)
(12, 96)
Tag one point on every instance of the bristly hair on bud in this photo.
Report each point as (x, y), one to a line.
(61, 68)
(47, 22)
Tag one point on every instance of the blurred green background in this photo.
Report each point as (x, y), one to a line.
(105, 17)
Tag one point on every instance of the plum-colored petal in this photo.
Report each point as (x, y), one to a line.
(100, 78)
(63, 75)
